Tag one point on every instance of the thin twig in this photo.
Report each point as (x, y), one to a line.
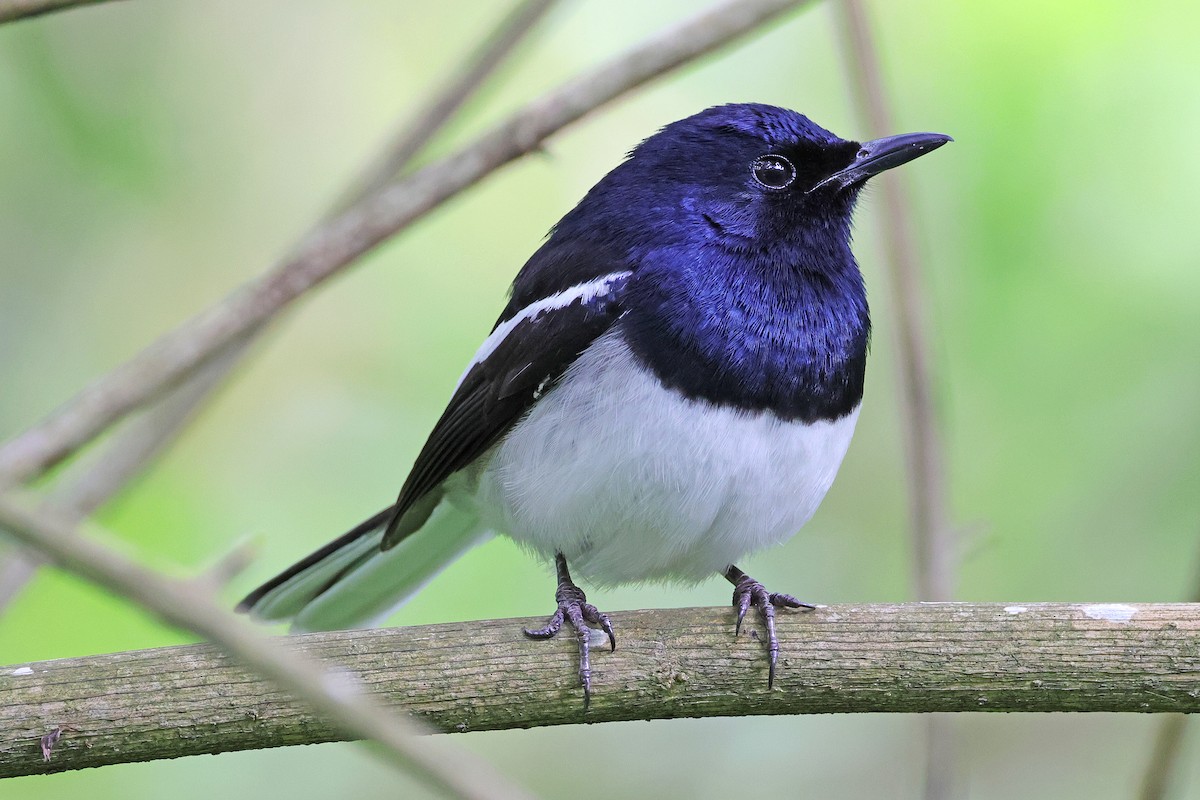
(12, 10)
(92, 483)
(95, 479)
(934, 552)
(934, 557)
(1163, 763)
(336, 697)
(339, 242)
(413, 135)
(1164, 757)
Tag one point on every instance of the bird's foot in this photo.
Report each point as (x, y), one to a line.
(574, 608)
(749, 592)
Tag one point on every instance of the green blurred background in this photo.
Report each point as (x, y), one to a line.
(152, 155)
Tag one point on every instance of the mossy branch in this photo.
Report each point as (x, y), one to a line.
(177, 701)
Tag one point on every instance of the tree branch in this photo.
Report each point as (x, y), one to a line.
(934, 554)
(1163, 764)
(934, 551)
(12, 10)
(677, 663)
(332, 696)
(89, 482)
(344, 238)
(413, 135)
(92, 481)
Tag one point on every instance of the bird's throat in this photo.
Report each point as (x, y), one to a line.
(793, 341)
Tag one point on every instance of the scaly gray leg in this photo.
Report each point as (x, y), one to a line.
(749, 592)
(574, 608)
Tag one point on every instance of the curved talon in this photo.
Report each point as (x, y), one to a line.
(574, 608)
(790, 602)
(742, 601)
(552, 627)
(749, 592)
(607, 627)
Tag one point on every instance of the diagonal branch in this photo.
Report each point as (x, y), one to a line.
(92, 483)
(340, 241)
(485, 675)
(12, 10)
(413, 136)
(93, 480)
(334, 697)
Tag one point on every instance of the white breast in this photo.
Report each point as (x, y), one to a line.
(632, 481)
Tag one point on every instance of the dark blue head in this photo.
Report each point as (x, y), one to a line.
(736, 225)
(744, 176)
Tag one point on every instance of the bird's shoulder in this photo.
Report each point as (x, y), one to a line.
(562, 301)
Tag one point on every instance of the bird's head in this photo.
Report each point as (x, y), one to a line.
(751, 175)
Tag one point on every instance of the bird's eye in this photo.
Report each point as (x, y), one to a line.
(773, 171)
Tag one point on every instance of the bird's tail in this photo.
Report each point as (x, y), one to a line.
(351, 582)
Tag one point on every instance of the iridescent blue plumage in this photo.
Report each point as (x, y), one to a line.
(672, 384)
(741, 295)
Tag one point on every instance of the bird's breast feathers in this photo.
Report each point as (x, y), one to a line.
(632, 480)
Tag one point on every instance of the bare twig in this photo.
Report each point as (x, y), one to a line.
(218, 574)
(333, 697)
(93, 482)
(934, 552)
(339, 242)
(412, 137)
(1163, 763)
(484, 675)
(90, 483)
(1164, 758)
(934, 557)
(11, 10)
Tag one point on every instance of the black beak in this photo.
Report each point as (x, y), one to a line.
(878, 155)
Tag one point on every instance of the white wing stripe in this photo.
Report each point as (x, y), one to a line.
(583, 292)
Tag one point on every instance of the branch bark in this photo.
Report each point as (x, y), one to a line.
(472, 676)
(189, 605)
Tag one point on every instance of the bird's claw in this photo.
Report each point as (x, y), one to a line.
(574, 608)
(749, 592)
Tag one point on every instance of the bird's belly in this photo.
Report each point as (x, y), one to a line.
(632, 481)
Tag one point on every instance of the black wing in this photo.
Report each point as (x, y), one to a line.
(531, 348)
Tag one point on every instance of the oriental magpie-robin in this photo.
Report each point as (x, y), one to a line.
(672, 385)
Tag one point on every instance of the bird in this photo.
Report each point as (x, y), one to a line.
(672, 385)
